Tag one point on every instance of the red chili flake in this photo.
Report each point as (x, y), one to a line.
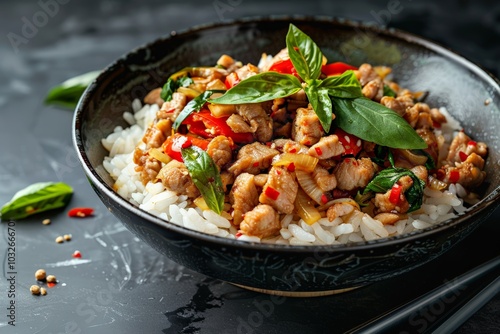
(463, 156)
(80, 212)
(278, 172)
(291, 167)
(272, 193)
(293, 150)
(307, 143)
(347, 160)
(318, 151)
(238, 234)
(256, 164)
(51, 285)
(395, 194)
(454, 176)
(77, 254)
(471, 143)
(324, 199)
(268, 144)
(436, 125)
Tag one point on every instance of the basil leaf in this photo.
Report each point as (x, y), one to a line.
(194, 105)
(345, 85)
(261, 87)
(205, 175)
(38, 197)
(172, 85)
(386, 179)
(389, 92)
(68, 93)
(321, 103)
(374, 122)
(305, 55)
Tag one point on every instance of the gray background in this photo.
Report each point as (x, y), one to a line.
(123, 286)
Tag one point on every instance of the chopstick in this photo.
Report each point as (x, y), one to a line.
(394, 317)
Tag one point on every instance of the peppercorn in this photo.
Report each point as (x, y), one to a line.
(51, 279)
(40, 274)
(35, 290)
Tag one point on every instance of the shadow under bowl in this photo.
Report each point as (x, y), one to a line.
(469, 93)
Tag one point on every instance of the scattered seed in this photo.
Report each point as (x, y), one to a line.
(51, 279)
(67, 237)
(59, 239)
(43, 291)
(40, 275)
(35, 290)
(46, 221)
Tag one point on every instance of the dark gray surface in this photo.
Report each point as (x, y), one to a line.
(123, 286)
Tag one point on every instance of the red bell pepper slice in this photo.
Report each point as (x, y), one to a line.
(352, 144)
(284, 66)
(232, 80)
(336, 68)
(206, 125)
(172, 146)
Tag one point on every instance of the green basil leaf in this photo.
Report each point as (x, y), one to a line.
(389, 92)
(320, 102)
(374, 122)
(205, 175)
(68, 93)
(194, 105)
(172, 85)
(261, 87)
(345, 85)
(386, 179)
(305, 55)
(38, 197)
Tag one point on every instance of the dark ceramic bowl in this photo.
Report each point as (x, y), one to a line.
(469, 93)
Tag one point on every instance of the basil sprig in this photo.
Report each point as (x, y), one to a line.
(38, 197)
(205, 175)
(355, 114)
(172, 85)
(386, 179)
(68, 93)
(194, 105)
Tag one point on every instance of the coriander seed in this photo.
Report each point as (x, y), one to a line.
(51, 279)
(67, 237)
(40, 275)
(46, 221)
(59, 239)
(35, 290)
(43, 291)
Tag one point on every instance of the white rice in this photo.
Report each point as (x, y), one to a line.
(154, 198)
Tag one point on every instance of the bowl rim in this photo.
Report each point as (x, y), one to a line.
(489, 201)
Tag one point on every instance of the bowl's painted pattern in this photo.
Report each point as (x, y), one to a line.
(470, 94)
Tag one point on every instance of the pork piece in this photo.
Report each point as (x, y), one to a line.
(399, 104)
(226, 178)
(252, 158)
(366, 73)
(354, 173)
(323, 179)
(156, 134)
(327, 147)
(259, 121)
(238, 124)
(243, 196)
(153, 97)
(432, 143)
(289, 146)
(176, 178)
(463, 143)
(307, 129)
(147, 166)
(219, 149)
(468, 173)
(247, 71)
(383, 204)
(421, 172)
(339, 210)
(374, 89)
(172, 108)
(280, 190)
(389, 218)
(261, 222)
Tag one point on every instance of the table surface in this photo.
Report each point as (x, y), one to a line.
(120, 284)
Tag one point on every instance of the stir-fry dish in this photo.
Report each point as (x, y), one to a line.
(294, 149)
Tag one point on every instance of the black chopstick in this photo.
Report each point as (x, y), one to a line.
(390, 319)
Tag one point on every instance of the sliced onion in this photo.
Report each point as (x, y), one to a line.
(305, 208)
(436, 184)
(303, 162)
(413, 158)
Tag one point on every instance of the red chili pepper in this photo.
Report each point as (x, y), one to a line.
(256, 164)
(395, 194)
(80, 212)
(471, 143)
(77, 254)
(206, 125)
(284, 66)
(454, 176)
(324, 199)
(463, 156)
(172, 146)
(318, 151)
(232, 80)
(436, 125)
(336, 68)
(291, 167)
(51, 285)
(351, 143)
(271, 193)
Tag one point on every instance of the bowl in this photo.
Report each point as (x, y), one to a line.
(470, 94)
